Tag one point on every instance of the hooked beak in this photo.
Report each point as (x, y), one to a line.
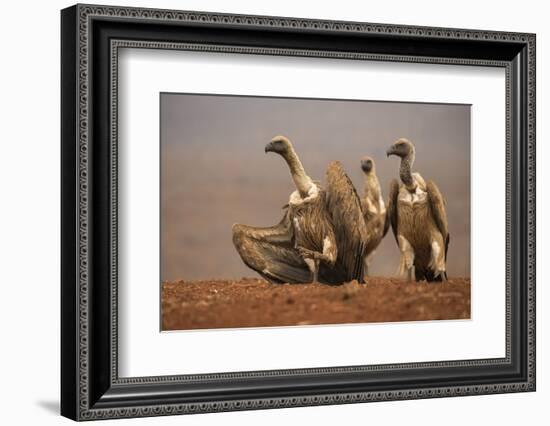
(269, 147)
(390, 151)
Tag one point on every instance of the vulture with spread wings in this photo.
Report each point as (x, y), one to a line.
(321, 237)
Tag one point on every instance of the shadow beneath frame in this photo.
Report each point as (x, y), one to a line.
(51, 407)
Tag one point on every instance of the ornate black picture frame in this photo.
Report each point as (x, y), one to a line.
(91, 387)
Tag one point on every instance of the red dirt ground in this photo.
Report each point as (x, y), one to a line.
(252, 302)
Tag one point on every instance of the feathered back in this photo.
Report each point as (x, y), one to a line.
(312, 223)
(344, 207)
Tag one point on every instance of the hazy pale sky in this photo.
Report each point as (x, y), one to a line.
(214, 171)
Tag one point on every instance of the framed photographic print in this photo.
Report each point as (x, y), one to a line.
(263, 212)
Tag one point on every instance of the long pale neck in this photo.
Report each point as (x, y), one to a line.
(371, 187)
(302, 181)
(405, 172)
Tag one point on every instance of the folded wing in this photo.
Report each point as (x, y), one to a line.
(344, 207)
(437, 205)
(391, 214)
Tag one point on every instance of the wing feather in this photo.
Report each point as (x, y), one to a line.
(344, 207)
(270, 251)
(437, 205)
(386, 223)
(392, 208)
(286, 272)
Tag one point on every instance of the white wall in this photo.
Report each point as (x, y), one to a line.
(29, 224)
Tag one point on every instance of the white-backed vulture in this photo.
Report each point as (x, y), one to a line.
(374, 209)
(416, 210)
(316, 239)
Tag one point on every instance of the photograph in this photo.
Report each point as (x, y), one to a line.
(299, 211)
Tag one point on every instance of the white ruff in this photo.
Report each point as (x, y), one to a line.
(418, 197)
(296, 199)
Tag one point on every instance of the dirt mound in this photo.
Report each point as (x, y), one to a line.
(252, 302)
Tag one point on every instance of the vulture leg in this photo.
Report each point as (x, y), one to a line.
(437, 263)
(269, 251)
(313, 260)
(316, 271)
(407, 258)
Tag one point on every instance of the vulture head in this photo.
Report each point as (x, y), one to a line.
(405, 149)
(367, 164)
(402, 148)
(280, 145)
